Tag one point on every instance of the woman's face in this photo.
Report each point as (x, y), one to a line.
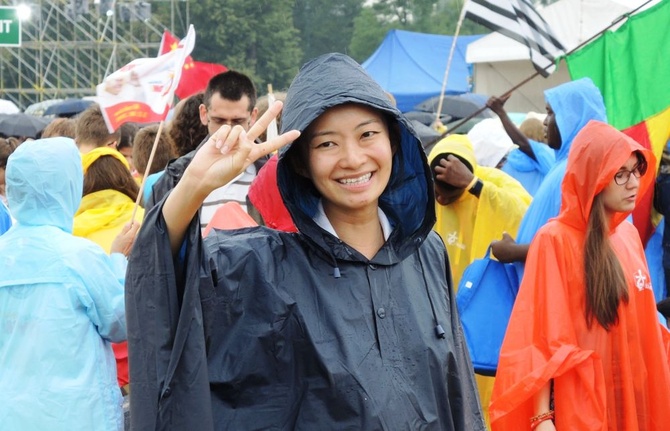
(349, 157)
(620, 194)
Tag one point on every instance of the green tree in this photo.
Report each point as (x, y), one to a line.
(424, 16)
(369, 31)
(253, 37)
(325, 25)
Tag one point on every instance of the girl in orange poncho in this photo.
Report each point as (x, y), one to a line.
(584, 349)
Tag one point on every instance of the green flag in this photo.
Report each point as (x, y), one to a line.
(631, 66)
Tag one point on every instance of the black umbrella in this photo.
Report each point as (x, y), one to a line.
(426, 118)
(425, 133)
(457, 105)
(68, 107)
(22, 125)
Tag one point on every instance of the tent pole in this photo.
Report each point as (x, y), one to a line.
(451, 56)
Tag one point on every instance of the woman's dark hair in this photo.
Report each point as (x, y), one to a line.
(109, 173)
(127, 132)
(606, 284)
(186, 129)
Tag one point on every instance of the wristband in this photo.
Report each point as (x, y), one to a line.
(476, 189)
(537, 420)
(472, 183)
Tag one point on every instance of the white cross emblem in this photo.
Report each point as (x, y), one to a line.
(640, 279)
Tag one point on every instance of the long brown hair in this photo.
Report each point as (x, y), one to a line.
(605, 282)
(109, 173)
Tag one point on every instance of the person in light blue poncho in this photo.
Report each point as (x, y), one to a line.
(532, 160)
(569, 107)
(61, 301)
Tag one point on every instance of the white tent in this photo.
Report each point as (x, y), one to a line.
(500, 63)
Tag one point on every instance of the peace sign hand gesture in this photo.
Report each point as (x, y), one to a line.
(230, 150)
(225, 155)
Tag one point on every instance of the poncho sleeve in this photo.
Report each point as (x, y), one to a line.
(166, 346)
(545, 156)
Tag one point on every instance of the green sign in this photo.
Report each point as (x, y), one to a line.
(10, 27)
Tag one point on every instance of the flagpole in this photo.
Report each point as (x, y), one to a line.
(511, 90)
(451, 56)
(147, 170)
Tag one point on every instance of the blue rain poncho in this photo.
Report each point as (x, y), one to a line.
(61, 302)
(574, 104)
(528, 171)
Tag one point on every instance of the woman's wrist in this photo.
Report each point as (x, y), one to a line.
(536, 420)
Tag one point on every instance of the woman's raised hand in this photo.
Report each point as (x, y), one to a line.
(230, 150)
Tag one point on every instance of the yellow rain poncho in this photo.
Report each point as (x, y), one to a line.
(102, 215)
(469, 224)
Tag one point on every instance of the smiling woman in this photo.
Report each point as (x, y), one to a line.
(350, 323)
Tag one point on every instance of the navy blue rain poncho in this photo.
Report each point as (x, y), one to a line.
(257, 329)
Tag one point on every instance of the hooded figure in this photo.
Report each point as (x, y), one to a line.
(470, 223)
(61, 302)
(262, 329)
(574, 104)
(103, 213)
(603, 379)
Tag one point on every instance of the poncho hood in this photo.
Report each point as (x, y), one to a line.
(598, 152)
(574, 104)
(459, 145)
(408, 198)
(45, 182)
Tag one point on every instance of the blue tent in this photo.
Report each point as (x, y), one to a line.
(411, 66)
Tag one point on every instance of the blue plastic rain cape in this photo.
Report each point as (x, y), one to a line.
(530, 173)
(485, 299)
(574, 104)
(61, 302)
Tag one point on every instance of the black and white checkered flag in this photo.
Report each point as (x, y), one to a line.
(519, 20)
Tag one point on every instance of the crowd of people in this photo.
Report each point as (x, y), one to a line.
(333, 304)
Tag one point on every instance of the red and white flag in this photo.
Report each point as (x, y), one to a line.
(142, 91)
(196, 74)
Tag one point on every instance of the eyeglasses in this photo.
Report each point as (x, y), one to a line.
(623, 176)
(232, 123)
